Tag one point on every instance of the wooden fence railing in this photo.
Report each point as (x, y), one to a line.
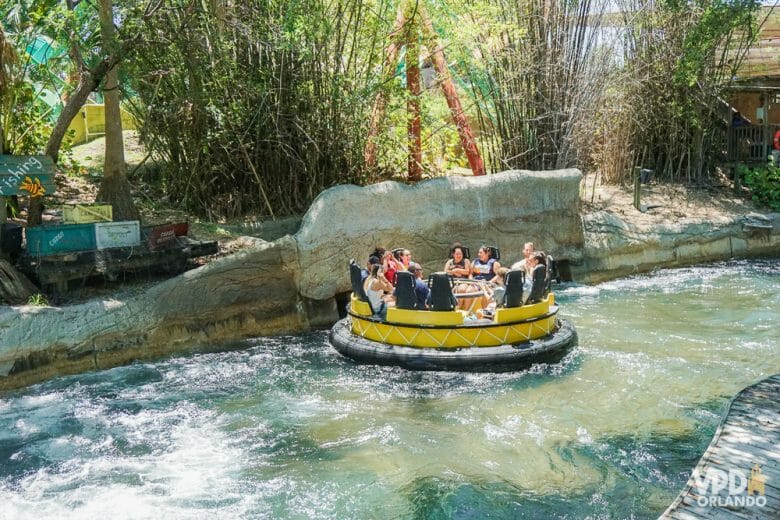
(750, 144)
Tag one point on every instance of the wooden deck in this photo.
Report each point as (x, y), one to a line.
(745, 455)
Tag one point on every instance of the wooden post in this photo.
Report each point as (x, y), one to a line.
(453, 101)
(637, 187)
(414, 164)
(765, 131)
(3, 208)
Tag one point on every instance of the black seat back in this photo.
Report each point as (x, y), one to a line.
(441, 292)
(405, 298)
(513, 297)
(357, 281)
(495, 254)
(549, 275)
(538, 284)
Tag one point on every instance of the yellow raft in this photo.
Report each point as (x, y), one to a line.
(513, 338)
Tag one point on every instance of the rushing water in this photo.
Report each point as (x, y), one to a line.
(286, 428)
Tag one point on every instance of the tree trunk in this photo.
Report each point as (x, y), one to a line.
(115, 189)
(15, 288)
(88, 82)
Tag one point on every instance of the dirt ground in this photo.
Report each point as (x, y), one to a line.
(661, 202)
(82, 188)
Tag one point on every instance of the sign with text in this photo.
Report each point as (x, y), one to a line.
(31, 175)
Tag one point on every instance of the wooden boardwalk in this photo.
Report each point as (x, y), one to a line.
(738, 477)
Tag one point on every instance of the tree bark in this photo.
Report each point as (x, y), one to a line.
(15, 288)
(115, 189)
(89, 80)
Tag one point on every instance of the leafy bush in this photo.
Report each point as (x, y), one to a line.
(38, 300)
(764, 184)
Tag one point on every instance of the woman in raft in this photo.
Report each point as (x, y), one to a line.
(485, 271)
(459, 267)
(376, 288)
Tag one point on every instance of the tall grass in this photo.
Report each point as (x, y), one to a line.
(257, 106)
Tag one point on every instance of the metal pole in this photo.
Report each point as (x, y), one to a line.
(765, 99)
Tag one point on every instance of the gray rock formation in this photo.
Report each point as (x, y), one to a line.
(504, 210)
(247, 294)
(616, 247)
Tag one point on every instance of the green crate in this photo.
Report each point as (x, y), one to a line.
(83, 214)
(55, 240)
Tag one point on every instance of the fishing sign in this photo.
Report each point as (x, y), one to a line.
(31, 175)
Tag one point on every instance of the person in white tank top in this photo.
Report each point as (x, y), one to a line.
(375, 286)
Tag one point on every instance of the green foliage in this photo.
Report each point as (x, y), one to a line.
(256, 107)
(23, 122)
(680, 58)
(710, 23)
(26, 118)
(764, 184)
(38, 300)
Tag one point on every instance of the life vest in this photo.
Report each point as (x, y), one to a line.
(483, 271)
(776, 144)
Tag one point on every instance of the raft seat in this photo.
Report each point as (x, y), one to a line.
(360, 308)
(525, 312)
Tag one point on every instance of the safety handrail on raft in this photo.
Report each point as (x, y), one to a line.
(552, 312)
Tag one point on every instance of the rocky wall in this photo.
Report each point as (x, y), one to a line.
(617, 246)
(505, 210)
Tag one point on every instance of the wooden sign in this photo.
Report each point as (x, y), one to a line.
(31, 175)
(162, 237)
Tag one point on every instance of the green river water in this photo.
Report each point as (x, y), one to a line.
(287, 428)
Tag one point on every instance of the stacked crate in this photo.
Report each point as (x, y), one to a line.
(86, 228)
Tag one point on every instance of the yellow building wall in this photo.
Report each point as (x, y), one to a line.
(89, 123)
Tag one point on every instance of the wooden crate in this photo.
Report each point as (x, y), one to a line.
(117, 234)
(53, 240)
(161, 237)
(83, 214)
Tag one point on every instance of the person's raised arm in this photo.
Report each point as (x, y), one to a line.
(495, 279)
(467, 267)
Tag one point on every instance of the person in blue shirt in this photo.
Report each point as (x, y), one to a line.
(421, 289)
